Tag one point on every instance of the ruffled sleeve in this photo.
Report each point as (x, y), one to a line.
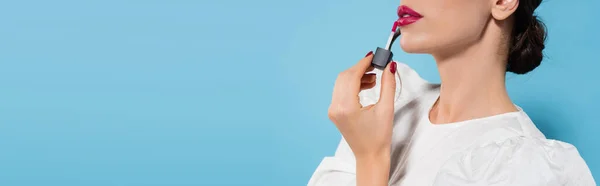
(517, 161)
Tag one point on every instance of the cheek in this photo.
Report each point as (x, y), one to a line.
(447, 26)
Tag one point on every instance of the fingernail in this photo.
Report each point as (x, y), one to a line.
(393, 67)
(370, 53)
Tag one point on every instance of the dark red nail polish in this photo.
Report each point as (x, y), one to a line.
(393, 67)
(368, 54)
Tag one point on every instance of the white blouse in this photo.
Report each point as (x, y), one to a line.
(505, 149)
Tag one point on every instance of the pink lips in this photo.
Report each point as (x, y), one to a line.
(407, 16)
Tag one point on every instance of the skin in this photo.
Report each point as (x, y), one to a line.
(469, 41)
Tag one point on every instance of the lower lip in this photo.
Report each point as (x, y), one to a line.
(403, 21)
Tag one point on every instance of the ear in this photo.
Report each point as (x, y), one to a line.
(502, 9)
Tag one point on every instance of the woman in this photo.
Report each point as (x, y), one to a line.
(465, 131)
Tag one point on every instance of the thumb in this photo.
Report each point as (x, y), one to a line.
(388, 87)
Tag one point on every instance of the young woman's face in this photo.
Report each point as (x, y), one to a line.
(445, 24)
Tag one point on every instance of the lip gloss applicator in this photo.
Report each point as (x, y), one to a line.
(383, 56)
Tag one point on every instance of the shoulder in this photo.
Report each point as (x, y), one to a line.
(519, 160)
(409, 85)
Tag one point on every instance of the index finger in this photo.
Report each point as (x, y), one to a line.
(364, 64)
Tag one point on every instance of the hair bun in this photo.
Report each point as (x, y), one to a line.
(529, 36)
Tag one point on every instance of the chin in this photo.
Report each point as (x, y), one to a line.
(413, 45)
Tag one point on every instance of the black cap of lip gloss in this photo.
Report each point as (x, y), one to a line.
(381, 58)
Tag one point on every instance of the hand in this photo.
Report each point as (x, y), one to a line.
(368, 130)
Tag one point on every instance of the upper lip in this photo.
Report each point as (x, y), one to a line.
(407, 11)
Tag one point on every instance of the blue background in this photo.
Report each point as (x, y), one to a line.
(222, 92)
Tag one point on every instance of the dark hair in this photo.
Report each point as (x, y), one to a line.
(527, 41)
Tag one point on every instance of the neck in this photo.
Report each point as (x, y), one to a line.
(472, 84)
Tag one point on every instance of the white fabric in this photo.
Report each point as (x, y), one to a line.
(505, 149)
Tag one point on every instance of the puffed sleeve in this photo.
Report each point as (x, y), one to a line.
(337, 170)
(517, 161)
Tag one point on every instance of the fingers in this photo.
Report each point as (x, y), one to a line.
(347, 86)
(368, 78)
(388, 87)
(368, 81)
(364, 65)
(371, 68)
(365, 86)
